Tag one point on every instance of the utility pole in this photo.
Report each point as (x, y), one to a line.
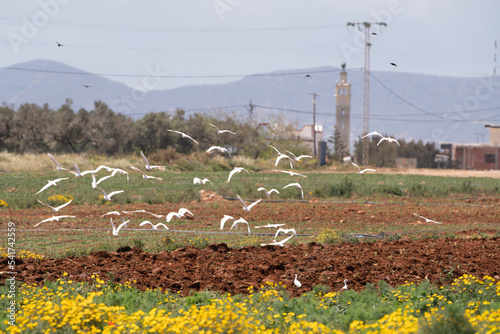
(314, 121)
(366, 95)
(250, 109)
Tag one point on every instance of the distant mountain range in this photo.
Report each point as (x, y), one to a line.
(413, 106)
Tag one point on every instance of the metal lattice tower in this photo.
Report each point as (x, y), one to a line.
(366, 88)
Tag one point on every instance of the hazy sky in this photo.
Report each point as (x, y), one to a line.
(237, 37)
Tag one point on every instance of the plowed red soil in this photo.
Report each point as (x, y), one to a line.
(219, 268)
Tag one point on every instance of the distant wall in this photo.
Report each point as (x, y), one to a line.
(406, 162)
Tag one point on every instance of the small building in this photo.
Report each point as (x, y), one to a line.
(478, 156)
(306, 135)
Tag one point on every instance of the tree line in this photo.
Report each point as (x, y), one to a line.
(39, 129)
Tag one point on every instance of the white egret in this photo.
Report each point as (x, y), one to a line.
(52, 183)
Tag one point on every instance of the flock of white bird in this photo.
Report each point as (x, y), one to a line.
(290, 157)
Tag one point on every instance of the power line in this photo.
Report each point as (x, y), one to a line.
(276, 74)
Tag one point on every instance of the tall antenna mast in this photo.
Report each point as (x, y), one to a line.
(366, 96)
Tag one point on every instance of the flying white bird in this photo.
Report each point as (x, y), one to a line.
(154, 227)
(281, 156)
(54, 218)
(199, 181)
(296, 282)
(107, 196)
(345, 284)
(58, 166)
(236, 170)
(183, 135)
(373, 133)
(224, 220)
(296, 185)
(289, 173)
(77, 171)
(118, 170)
(51, 183)
(270, 225)
(96, 183)
(268, 192)
(248, 207)
(148, 166)
(144, 211)
(297, 158)
(178, 214)
(221, 131)
(243, 221)
(57, 208)
(144, 176)
(389, 139)
(286, 231)
(278, 243)
(364, 170)
(117, 229)
(220, 149)
(427, 220)
(111, 213)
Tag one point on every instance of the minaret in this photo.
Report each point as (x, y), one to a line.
(343, 113)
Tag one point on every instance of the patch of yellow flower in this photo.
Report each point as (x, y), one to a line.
(3, 203)
(60, 198)
(24, 254)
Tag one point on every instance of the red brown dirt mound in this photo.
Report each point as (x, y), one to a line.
(219, 268)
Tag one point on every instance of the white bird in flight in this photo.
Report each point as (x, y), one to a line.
(57, 208)
(224, 220)
(281, 156)
(179, 214)
(427, 220)
(96, 183)
(144, 211)
(111, 213)
(51, 183)
(296, 185)
(220, 149)
(148, 166)
(286, 231)
(199, 181)
(183, 135)
(250, 206)
(236, 170)
(116, 230)
(268, 192)
(221, 131)
(144, 176)
(389, 139)
(373, 133)
(278, 243)
(58, 166)
(118, 170)
(54, 218)
(298, 158)
(107, 196)
(289, 173)
(364, 170)
(240, 221)
(270, 225)
(154, 227)
(296, 282)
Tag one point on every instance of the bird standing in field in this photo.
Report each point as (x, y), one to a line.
(296, 282)
(221, 131)
(345, 284)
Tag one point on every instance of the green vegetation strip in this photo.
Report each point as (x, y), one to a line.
(468, 305)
